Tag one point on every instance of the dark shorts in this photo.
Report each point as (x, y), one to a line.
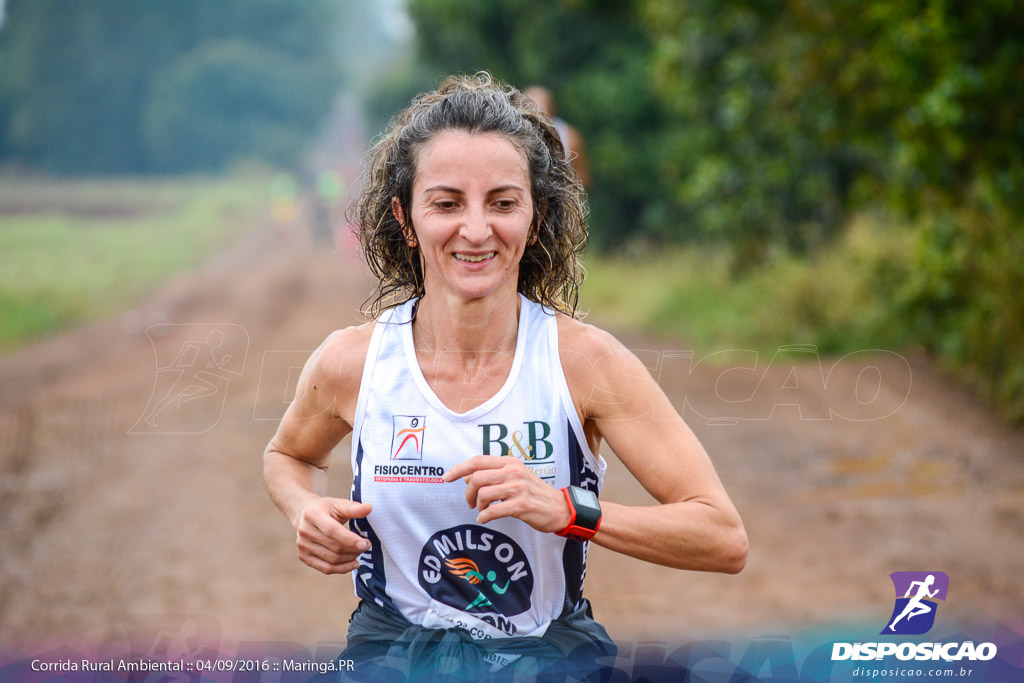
(387, 647)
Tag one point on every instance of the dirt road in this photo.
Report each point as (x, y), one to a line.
(132, 496)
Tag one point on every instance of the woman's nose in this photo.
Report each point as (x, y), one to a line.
(476, 228)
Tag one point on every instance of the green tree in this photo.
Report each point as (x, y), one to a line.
(792, 115)
(756, 162)
(228, 101)
(82, 78)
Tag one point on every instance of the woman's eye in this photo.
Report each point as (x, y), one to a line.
(444, 205)
(505, 204)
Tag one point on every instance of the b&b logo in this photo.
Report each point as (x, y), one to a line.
(476, 570)
(533, 446)
(914, 613)
(407, 437)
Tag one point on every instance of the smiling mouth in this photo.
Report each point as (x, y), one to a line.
(476, 258)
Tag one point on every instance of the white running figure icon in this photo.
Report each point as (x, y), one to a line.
(195, 362)
(915, 607)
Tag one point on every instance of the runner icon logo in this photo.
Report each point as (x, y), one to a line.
(476, 570)
(915, 608)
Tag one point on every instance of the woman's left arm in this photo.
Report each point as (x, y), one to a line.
(695, 525)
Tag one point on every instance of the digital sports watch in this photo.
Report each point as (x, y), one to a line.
(584, 514)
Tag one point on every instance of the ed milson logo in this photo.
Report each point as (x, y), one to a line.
(914, 614)
(477, 570)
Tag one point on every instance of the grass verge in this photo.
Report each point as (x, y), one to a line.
(837, 300)
(72, 251)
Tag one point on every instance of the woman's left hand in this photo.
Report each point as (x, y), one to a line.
(505, 487)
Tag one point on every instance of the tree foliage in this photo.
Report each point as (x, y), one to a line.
(116, 86)
(798, 114)
(748, 127)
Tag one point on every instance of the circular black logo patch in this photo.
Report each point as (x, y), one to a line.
(476, 569)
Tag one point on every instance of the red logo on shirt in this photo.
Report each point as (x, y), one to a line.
(407, 437)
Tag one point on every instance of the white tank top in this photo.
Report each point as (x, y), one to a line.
(430, 561)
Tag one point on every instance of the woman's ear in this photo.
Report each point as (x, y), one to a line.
(410, 236)
(535, 229)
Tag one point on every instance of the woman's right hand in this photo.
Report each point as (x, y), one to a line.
(323, 541)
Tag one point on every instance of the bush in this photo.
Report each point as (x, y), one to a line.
(962, 300)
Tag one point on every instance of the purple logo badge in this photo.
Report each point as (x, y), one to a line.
(916, 593)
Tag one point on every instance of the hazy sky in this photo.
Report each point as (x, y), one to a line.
(395, 20)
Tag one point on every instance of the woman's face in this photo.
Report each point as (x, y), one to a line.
(471, 213)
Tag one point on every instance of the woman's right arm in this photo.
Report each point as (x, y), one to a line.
(296, 459)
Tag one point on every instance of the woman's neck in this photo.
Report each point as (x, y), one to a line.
(468, 328)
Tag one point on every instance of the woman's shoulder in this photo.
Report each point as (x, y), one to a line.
(586, 348)
(354, 338)
(605, 378)
(585, 339)
(339, 360)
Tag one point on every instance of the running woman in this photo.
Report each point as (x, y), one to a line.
(477, 404)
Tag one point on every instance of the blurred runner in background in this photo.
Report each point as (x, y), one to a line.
(572, 141)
